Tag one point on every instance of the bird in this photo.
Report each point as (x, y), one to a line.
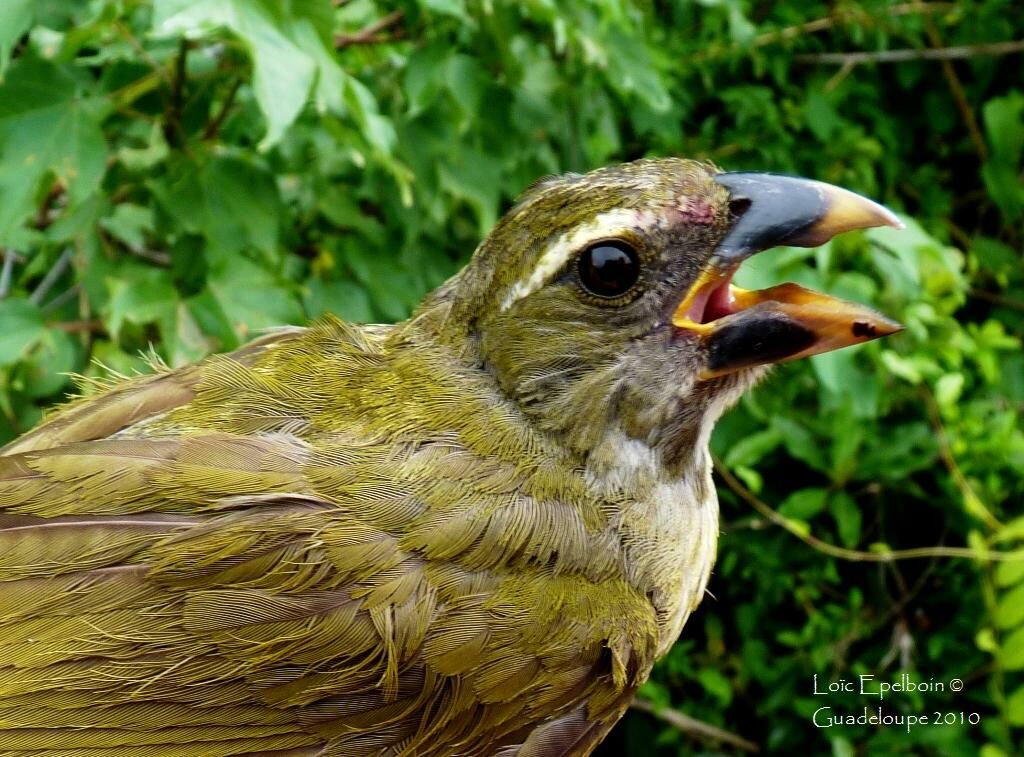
(473, 532)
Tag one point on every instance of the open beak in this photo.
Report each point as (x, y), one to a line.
(742, 328)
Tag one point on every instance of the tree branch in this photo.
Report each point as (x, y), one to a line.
(693, 727)
(368, 35)
(848, 16)
(62, 298)
(956, 88)
(213, 127)
(839, 17)
(971, 499)
(174, 132)
(902, 56)
(78, 327)
(5, 273)
(997, 299)
(854, 555)
(55, 272)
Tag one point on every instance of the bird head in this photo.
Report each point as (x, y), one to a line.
(602, 304)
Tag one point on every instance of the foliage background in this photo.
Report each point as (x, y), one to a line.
(182, 173)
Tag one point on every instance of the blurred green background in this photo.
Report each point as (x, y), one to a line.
(179, 174)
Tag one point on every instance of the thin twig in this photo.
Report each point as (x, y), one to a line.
(55, 272)
(997, 299)
(848, 16)
(974, 502)
(125, 32)
(174, 132)
(855, 555)
(368, 34)
(157, 257)
(902, 56)
(43, 216)
(837, 78)
(853, 15)
(78, 327)
(956, 88)
(62, 298)
(213, 127)
(6, 272)
(693, 727)
(961, 236)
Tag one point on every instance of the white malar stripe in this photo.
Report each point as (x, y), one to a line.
(611, 223)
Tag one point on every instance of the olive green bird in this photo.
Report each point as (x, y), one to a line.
(470, 533)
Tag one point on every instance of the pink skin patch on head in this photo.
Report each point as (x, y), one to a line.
(695, 210)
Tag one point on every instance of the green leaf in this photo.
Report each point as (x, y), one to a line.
(472, 180)
(848, 518)
(144, 158)
(231, 202)
(631, 70)
(1009, 572)
(1011, 651)
(1004, 127)
(140, 296)
(750, 450)
(991, 750)
(1010, 530)
(346, 299)
(901, 366)
(251, 298)
(53, 358)
(47, 129)
(715, 684)
(424, 76)
(821, 115)
(1010, 608)
(1015, 707)
(375, 128)
(15, 19)
(804, 504)
(183, 336)
(948, 389)
(130, 224)
(21, 327)
(996, 257)
(833, 370)
(453, 8)
(283, 72)
(799, 442)
(393, 287)
(1004, 186)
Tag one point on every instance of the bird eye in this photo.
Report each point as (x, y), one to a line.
(609, 269)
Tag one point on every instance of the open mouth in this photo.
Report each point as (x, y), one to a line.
(710, 301)
(741, 328)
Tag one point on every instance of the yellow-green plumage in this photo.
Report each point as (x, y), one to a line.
(471, 533)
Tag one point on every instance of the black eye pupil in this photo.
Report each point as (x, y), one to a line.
(609, 269)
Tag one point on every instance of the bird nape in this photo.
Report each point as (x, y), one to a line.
(470, 533)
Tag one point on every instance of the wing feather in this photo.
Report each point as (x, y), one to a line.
(213, 561)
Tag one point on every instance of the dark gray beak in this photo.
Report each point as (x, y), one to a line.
(784, 210)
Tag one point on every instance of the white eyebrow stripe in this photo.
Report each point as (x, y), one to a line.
(611, 223)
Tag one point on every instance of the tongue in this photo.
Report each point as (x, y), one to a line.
(712, 302)
(720, 303)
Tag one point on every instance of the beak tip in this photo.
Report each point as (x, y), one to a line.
(885, 327)
(892, 220)
(846, 210)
